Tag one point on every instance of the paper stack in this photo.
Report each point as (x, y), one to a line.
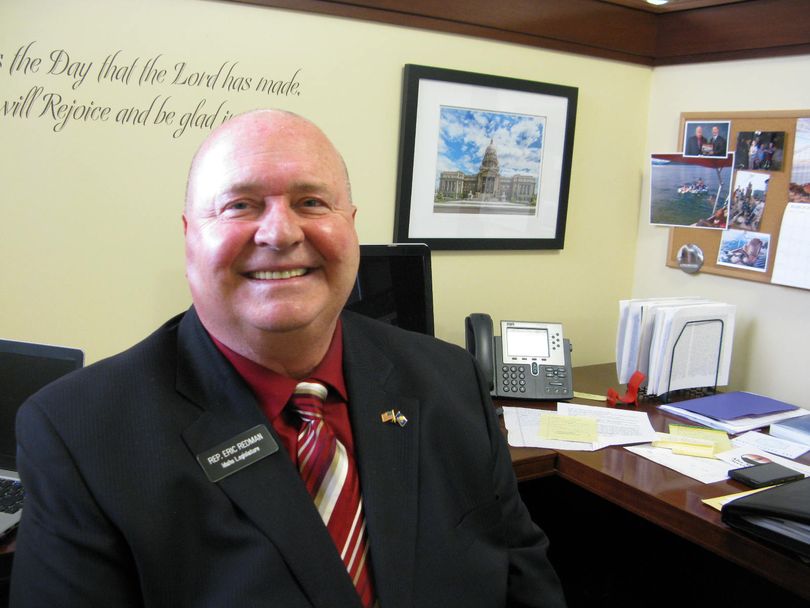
(797, 430)
(677, 343)
(735, 412)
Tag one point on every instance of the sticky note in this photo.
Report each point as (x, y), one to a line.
(568, 428)
(688, 446)
(590, 396)
(691, 449)
(719, 438)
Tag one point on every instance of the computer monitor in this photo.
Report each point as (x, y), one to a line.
(394, 285)
(25, 368)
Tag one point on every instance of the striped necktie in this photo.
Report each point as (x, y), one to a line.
(331, 478)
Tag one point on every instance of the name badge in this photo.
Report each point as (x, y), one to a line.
(237, 453)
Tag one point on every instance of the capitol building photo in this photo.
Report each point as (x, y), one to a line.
(495, 187)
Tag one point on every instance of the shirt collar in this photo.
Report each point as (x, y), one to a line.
(273, 390)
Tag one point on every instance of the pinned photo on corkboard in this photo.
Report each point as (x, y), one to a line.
(760, 150)
(748, 199)
(743, 249)
(688, 191)
(706, 138)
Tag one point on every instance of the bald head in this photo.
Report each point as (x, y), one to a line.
(271, 123)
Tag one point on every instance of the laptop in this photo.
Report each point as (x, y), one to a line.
(24, 369)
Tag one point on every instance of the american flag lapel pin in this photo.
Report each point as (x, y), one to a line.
(394, 417)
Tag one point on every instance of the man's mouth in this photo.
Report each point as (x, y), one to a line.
(266, 275)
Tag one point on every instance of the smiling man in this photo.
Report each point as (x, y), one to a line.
(271, 249)
(241, 455)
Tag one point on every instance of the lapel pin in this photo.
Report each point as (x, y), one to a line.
(394, 417)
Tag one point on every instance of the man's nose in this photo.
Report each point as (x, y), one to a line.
(279, 226)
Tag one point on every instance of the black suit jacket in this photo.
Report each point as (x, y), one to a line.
(719, 146)
(119, 512)
(694, 146)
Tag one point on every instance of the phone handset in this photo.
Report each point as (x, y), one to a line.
(478, 341)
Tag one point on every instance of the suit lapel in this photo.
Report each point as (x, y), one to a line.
(269, 491)
(387, 459)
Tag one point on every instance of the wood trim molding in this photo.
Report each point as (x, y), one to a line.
(750, 29)
(745, 30)
(550, 24)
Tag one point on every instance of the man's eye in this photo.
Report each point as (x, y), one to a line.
(312, 205)
(237, 208)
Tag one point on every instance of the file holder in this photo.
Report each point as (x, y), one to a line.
(667, 396)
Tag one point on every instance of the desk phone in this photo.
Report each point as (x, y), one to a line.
(529, 360)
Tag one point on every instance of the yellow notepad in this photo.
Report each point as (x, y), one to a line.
(720, 438)
(688, 446)
(568, 428)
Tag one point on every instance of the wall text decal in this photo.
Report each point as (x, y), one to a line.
(56, 79)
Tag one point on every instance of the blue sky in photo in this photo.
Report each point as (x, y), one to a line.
(758, 181)
(465, 134)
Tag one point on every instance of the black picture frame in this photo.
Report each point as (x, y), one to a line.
(500, 210)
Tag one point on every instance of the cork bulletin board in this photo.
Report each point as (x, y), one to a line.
(777, 191)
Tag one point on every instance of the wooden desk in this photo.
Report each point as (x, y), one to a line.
(657, 494)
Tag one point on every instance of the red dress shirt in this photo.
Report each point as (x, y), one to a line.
(273, 391)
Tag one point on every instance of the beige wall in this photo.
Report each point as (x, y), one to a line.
(91, 242)
(90, 236)
(772, 338)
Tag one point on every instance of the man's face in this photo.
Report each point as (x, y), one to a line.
(269, 226)
(699, 132)
(715, 132)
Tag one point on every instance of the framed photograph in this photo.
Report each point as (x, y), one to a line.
(484, 162)
(706, 138)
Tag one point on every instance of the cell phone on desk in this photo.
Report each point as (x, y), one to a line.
(529, 360)
(765, 474)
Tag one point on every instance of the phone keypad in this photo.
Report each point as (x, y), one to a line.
(554, 379)
(513, 379)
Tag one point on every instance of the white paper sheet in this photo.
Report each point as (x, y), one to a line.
(792, 263)
(704, 470)
(635, 332)
(614, 427)
(523, 431)
(710, 470)
(772, 445)
(687, 341)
